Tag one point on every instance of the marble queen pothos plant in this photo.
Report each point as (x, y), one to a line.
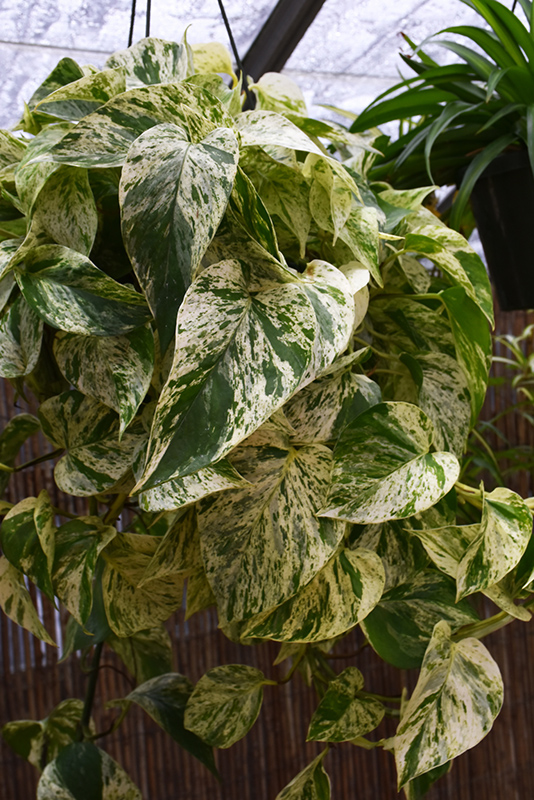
(261, 370)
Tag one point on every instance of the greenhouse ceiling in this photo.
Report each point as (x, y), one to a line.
(347, 55)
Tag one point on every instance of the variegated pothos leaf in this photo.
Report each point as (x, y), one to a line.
(457, 697)
(116, 370)
(173, 194)
(383, 468)
(16, 602)
(225, 704)
(21, 332)
(251, 351)
(268, 528)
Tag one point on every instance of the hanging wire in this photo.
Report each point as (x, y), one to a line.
(148, 10)
(514, 5)
(132, 22)
(251, 100)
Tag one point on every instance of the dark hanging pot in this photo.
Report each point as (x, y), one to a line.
(503, 206)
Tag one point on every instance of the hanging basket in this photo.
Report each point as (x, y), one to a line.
(503, 206)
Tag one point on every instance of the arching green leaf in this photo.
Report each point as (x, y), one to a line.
(82, 771)
(21, 332)
(16, 602)
(341, 595)
(116, 370)
(268, 528)
(152, 61)
(457, 697)
(343, 714)
(89, 431)
(164, 698)
(77, 547)
(401, 625)
(383, 469)
(225, 704)
(66, 290)
(173, 194)
(251, 352)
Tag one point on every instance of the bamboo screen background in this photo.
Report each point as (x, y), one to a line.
(274, 751)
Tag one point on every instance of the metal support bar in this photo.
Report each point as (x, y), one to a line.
(288, 22)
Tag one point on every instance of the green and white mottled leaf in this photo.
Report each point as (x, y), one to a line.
(311, 784)
(30, 178)
(66, 71)
(503, 536)
(77, 547)
(213, 57)
(321, 410)
(361, 235)
(472, 341)
(416, 274)
(8, 248)
(89, 432)
(411, 327)
(13, 436)
(40, 741)
(84, 772)
(251, 351)
(268, 528)
(284, 191)
(16, 602)
(102, 139)
(269, 129)
(225, 704)
(343, 714)
(457, 697)
(65, 210)
(231, 98)
(68, 292)
(401, 625)
(116, 370)
(383, 469)
(330, 197)
(276, 92)
(130, 607)
(411, 199)
(83, 96)
(444, 397)
(199, 595)
(450, 251)
(152, 61)
(12, 149)
(173, 194)
(178, 551)
(21, 332)
(178, 492)
(164, 698)
(342, 594)
(28, 540)
(146, 654)
(26, 738)
(402, 555)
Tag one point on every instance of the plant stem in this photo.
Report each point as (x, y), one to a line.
(40, 459)
(477, 630)
(115, 509)
(90, 692)
(293, 668)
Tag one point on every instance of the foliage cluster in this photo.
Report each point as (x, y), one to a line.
(467, 112)
(244, 363)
